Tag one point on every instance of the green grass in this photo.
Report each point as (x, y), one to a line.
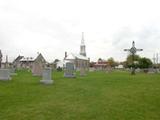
(98, 96)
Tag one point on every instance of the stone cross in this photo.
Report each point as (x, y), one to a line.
(133, 50)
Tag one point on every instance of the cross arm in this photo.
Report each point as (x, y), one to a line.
(126, 49)
(139, 49)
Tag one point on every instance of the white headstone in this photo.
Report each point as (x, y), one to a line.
(82, 72)
(47, 76)
(138, 70)
(151, 71)
(5, 74)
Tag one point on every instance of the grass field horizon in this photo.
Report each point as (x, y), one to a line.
(97, 96)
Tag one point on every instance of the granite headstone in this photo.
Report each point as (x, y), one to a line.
(69, 70)
(82, 72)
(5, 74)
(47, 76)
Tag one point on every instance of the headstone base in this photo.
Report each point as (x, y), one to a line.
(47, 82)
(4, 79)
(83, 74)
(69, 76)
(37, 75)
(12, 74)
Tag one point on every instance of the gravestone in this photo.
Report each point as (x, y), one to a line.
(37, 69)
(5, 74)
(47, 76)
(69, 70)
(82, 71)
(12, 71)
(157, 71)
(151, 71)
(109, 70)
(138, 70)
(91, 69)
(38, 65)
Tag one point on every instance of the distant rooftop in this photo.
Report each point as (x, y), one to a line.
(74, 56)
(27, 59)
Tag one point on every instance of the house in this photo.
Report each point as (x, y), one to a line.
(16, 62)
(22, 62)
(26, 62)
(101, 64)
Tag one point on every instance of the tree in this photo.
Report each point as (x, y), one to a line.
(129, 61)
(91, 64)
(145, 63)
(56, 60)
(111, 62)
(55, 63)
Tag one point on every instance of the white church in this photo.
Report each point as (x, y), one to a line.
(80, 60)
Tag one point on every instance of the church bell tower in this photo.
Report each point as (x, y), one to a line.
(82, 47)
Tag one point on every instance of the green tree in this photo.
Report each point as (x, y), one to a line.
(111, 62)
(55, 63)
(129, 61)
(145, 63)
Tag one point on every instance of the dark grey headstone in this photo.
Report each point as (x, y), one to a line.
(69, 70)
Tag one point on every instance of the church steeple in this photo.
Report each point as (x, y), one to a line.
(82, 47)
(82, 41)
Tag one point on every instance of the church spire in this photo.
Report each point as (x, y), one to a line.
(82, 47)
(82, 41)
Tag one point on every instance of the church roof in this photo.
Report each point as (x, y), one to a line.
(27, 59)
(40, 58)
(74, 56)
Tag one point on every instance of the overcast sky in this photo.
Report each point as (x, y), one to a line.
(55, 26)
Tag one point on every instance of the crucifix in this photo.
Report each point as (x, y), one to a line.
(133, 51)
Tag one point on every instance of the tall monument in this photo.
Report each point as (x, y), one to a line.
(0, 58)
(133, 50)
(82, 47)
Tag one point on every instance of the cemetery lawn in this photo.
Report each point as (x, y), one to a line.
(98, 96)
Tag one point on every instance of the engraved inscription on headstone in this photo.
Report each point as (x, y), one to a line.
(5, 74)
(47, 76)
(69, 70)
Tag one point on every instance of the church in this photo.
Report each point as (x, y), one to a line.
(80, 60)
